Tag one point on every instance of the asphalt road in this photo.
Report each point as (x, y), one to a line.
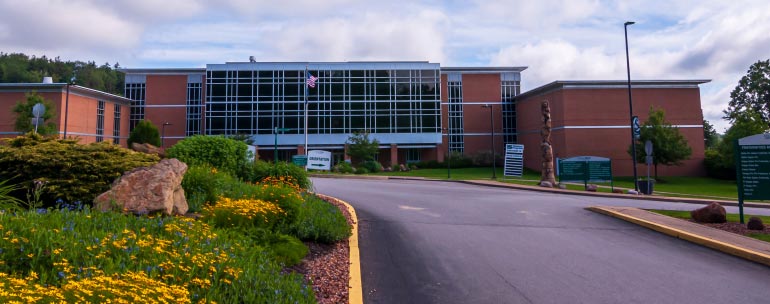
(442, 242)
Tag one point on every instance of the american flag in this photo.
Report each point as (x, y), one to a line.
(311, 80)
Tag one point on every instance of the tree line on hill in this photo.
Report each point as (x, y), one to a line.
(20, 68)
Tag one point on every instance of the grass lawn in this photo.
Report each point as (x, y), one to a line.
(696, 187)
(731, 217)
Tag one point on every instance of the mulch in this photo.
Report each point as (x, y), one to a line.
(738, 228)
(327, 267)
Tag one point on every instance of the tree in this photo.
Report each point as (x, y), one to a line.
(710, 136)
(144, 133)
(24, 116)
(752, 93)
(720, 163)
(361, 148)
(669, 146)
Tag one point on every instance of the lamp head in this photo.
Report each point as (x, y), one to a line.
(628, 23)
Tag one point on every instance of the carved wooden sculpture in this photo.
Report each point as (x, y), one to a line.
(547, 177)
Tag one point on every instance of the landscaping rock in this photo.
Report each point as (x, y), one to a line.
(145, 190)
(562, 186)
(713, 213)
(755, 223)
(546, 184)
(632, 191)
(591, 187)
(147, 148)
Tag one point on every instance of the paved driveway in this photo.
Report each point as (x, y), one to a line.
(442, 242)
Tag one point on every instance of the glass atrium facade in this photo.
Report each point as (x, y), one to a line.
(396, 102)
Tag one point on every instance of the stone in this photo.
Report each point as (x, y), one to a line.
(713, 213)
(632, 191)
(562, 186)
(147, 148)
(402, 168)
(146, 190)
(546, 184)
(755, 223)
(591, 187)
(620, 191)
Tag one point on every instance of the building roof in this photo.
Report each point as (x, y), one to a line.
(61, 87)
(481, 70)
(612, 84)
(164, 71)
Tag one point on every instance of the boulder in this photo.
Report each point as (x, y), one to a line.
(145, 190)
(591, 187)
(713, 213)
(755, 223)
(632, 191)
(546, 184)
(562, 186)
(147, 148)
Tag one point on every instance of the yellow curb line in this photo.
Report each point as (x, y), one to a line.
(748, 254)
(355, 295)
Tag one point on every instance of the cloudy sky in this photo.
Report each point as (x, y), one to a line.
(556, 39)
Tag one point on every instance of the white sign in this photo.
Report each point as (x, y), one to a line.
(319, 160)
(514, 160)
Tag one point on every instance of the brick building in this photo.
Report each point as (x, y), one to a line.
(416, 110)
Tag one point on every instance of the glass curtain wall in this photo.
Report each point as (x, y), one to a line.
(135, 90)
(509, 88)
(455, 113)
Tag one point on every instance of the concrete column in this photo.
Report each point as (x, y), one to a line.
(393, 155)
(301, 149)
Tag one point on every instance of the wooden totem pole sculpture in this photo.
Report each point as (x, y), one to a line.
(547, 178)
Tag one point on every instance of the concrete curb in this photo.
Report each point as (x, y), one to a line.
(355, 294)
(687, 236)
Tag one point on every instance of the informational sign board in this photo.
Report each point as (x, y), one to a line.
(514, 160)
(752, 163)
(299, 160)
(319, 160)
(585, 169)
(636, 127)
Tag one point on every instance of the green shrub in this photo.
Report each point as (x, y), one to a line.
(72, 171)
(223, 153)
(372, 166)
(344, 168)
(286, 249)
(144, 133)
(204, 185)
(7, 201)
(361, 170)
(320, 221)
(258, 170)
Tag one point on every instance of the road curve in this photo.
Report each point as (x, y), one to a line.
(443, 242)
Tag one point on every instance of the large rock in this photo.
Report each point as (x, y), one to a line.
(592, 187)
(148, 190)
(755, 223)
(713, 213)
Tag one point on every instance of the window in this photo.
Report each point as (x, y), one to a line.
(100, 121)
(509, 88)
(135, 92)
(194, 105)
(116, 126)
(413, 155)
(455, 113)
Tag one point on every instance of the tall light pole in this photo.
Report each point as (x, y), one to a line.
(163, 133)
(447, 158)
(67, 103)
(275, 147)
(492, 125)
(630, 104)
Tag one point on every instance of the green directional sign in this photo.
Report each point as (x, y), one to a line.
(299, 160)
(572, 171)
(752, 163)
(585, 169)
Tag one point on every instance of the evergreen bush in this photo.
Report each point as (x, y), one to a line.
(225, 154)
(344, 167)
(144, 133)
(72, 172)
(259, 170)
(372, 166)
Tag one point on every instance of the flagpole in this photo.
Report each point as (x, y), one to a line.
(305, 78)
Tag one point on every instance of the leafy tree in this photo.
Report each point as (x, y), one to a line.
(669, 146)
(24, 116)
(144, 132)
(20, 68)
(720, 162)
(709, 135)
(361, 148)
(752, 93)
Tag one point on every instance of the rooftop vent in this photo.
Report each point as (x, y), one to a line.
(47, 79)
(251, 59)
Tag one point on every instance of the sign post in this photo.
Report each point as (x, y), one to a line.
(752, 166)
(37, 111)
(648, 159)
(514, 160)
(586, 169)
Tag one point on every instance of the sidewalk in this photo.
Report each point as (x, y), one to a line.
(727, 242)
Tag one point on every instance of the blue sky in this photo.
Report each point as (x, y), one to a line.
(556, 39)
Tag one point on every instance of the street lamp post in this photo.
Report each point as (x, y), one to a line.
(492, 125)
(630, 104)
(447, 158)
(163, 133)
(67, 104)
(275, 147)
